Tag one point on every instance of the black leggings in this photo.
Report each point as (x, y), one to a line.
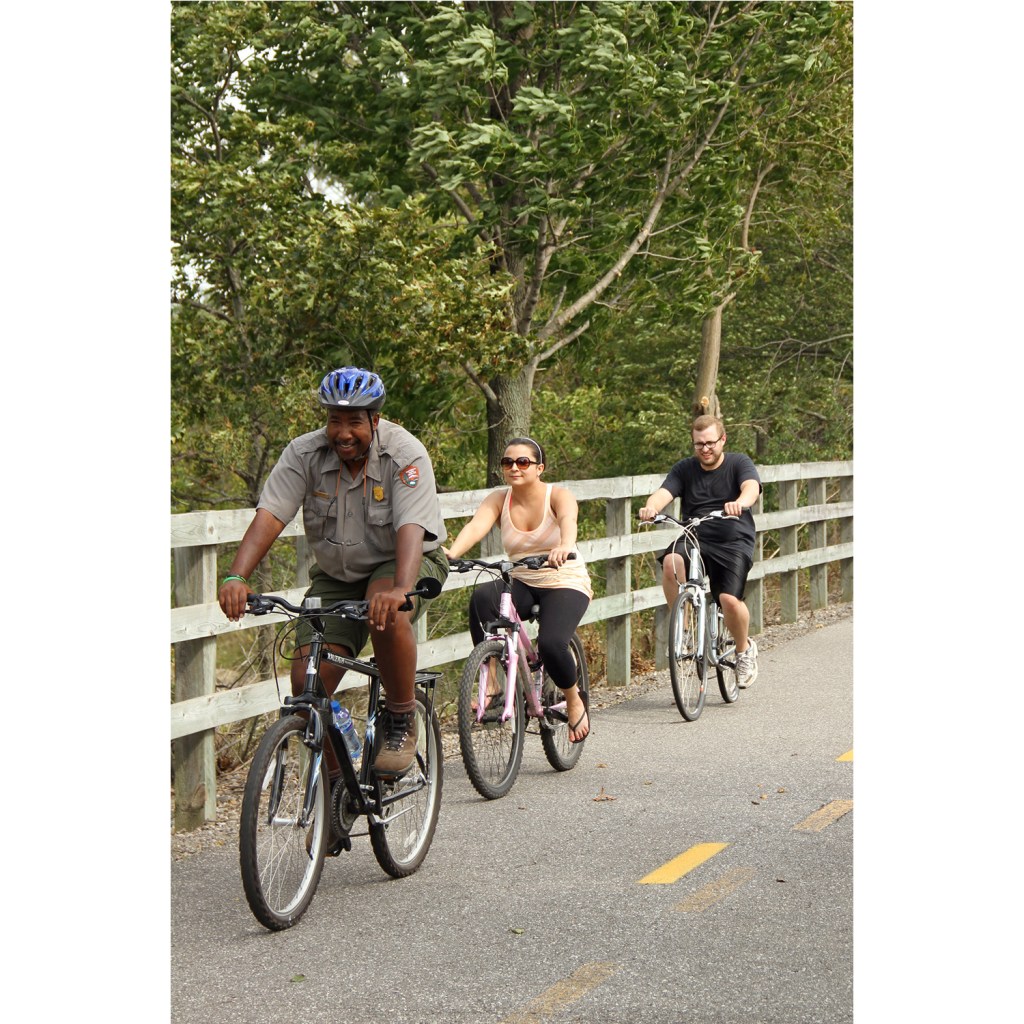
(560, 612)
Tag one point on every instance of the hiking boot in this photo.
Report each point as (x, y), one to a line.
(746, 666)
(397, 753)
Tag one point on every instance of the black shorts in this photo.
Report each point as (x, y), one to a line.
(727, 567)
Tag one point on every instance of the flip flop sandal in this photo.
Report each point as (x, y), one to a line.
(585, 697)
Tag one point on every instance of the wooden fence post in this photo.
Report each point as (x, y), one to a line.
(816, 539)
(618, 576)
(789, 597)
(195, 675)
(846, 537)
(753, 594)
(303, 559)
(661, 613)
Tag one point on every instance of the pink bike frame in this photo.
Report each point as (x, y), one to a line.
(516, 643)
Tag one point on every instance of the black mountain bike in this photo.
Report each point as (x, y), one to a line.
(292, 819)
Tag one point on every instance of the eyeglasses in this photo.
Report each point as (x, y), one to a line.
(522, 462)
(699, 445)
(326, 525)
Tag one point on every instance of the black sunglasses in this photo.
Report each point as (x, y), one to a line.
(522, 462)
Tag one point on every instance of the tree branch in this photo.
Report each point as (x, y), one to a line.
(479, 382)
(202, 308)
(551, 350)
(557, 322)
(459, 202)
(745, 230)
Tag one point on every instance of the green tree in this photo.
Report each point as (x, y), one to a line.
(799, 165)
(276, 277)
(578, 143)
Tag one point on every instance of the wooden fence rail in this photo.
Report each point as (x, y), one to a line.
(197, 621)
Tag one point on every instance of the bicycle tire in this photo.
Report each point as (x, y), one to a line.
(561, 753)
(492, 750)
(687, 671)
(279, 874)
(726, 667)
(402, 835)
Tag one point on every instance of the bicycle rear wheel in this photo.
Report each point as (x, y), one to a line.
(402, 835)
(686, 670)
(492, 750)
(726, 667)
(280, 872)
(561, 753)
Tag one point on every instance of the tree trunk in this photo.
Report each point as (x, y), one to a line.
(508, 415)
(705, 400)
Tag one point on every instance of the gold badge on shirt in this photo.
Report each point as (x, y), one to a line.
(378, 493)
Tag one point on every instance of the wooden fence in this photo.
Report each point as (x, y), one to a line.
(197, 621)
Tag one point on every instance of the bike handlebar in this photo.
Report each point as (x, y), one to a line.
(503, 565)
(263, 604)
(662, 517)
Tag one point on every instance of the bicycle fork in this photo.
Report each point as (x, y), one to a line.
(696, 607)
(515, 641)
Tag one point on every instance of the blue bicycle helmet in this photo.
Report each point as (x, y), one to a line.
(352, 388)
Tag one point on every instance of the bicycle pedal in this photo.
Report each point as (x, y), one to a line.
(341, 845)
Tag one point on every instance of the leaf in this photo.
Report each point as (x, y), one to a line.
(604, 796)
(297, 977)
(516, 931)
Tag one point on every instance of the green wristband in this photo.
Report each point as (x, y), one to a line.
(241, 579)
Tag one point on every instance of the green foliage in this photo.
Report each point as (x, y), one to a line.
(274, 284)
(441, 193)
(554, 132)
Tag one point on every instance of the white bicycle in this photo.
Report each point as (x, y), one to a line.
(697, 635)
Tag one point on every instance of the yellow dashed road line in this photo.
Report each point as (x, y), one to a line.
(562, 994)
(708, 894)
(825, 816)
(678, 866)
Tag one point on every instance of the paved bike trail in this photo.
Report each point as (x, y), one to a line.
(532, 908)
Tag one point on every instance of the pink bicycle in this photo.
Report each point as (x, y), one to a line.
(504, 685)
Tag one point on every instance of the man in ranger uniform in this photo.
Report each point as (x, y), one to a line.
(373, 520)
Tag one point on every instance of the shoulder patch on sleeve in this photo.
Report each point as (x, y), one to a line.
(410, 476)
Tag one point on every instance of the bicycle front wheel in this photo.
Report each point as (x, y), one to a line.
(686, 669)
(282, 856)
(562, 754)
(726, 667)
(402, 834)
(492, 750)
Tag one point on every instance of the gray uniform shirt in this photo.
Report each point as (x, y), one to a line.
(359, 514)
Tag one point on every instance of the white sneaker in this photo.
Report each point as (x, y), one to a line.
(746, 666)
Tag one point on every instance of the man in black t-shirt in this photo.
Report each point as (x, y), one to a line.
(710, 480)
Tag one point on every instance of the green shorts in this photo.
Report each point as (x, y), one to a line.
(352, 633)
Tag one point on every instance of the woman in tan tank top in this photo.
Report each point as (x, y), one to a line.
(536, 518)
